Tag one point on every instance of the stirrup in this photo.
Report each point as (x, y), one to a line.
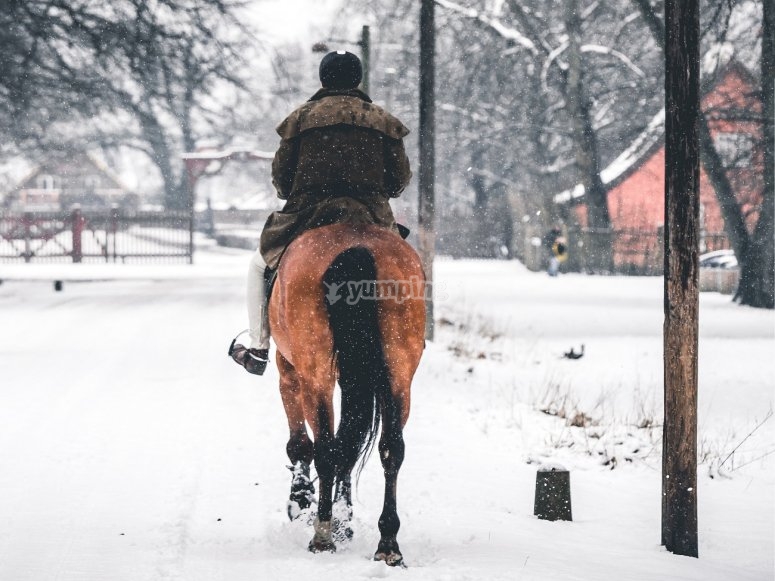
(253, 360)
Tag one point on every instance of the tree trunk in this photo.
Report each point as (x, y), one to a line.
(734, 222)
(427, 205)
(757, 281)
(598, 249)
(185, 188)
(481, 217)
(153, 133)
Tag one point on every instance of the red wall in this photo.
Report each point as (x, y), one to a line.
(638, 201)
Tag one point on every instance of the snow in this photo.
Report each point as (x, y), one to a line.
(133, 449)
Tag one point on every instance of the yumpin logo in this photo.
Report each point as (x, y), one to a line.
(378, 290)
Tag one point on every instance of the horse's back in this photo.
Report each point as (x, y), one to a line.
(320, 246)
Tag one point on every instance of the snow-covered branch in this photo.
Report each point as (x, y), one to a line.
(548, 63)
(493, 23)
(594, 48)
(615, 53)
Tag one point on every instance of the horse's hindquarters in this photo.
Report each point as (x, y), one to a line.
(350, 297)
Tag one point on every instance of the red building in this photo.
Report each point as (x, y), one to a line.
(636, 179)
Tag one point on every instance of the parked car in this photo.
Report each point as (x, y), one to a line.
(719, 259)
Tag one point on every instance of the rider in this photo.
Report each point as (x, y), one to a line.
(341, 158)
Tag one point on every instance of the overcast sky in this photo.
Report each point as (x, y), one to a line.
(281, 21)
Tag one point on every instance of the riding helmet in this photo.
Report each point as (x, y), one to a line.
(340, 70)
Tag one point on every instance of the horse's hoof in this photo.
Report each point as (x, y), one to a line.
(388, 551)
(342, 516)
(342, 532)
(294, 510)
(302, 491)
(392, 559)
(323, 541)
(296, 513)
(321, 546)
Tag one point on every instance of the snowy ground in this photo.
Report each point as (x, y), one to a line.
(132, 449)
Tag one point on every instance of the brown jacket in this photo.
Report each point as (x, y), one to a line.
(340, 158)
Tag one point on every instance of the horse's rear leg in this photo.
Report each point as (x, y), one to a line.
(321, 417)
(391, 453)
(343, 506)
(299, 448)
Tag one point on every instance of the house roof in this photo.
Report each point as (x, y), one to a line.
(626, 162)
(652, 138)
(89, 157)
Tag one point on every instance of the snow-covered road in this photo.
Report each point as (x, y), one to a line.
(132, 449)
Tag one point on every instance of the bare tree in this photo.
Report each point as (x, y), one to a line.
(579, 69)
(513, 115)
(147, 70)
(755, 251)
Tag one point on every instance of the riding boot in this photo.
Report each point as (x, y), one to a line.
(255, 358)
(258, 313)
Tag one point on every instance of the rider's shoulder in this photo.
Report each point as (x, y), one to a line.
(341, 109)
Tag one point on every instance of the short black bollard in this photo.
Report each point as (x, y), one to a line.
(552, 498)
(57, 285)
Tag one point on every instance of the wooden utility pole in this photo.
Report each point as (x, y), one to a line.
(365, 44)
(426, 210)
(682, 213)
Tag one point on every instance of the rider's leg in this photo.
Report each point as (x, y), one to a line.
(255, 358)
(258, 313)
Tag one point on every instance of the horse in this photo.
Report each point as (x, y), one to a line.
(348, 304)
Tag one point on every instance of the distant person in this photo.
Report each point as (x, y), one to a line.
(557, 248)
(341, 158)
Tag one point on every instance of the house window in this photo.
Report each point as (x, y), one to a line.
(735, 149)
(45, 182)
(91, 182)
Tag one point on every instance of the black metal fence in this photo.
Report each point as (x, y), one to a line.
(96, 236)
(635, 252)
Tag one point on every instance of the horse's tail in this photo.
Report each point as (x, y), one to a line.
(364, 378)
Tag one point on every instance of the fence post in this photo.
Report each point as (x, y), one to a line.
(552, 495)
(27, 221)
(113, 231)
(191, 223)
(77, 229)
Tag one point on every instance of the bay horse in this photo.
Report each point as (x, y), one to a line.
(348, 304)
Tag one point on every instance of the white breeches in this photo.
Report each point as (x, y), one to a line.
(258, 317)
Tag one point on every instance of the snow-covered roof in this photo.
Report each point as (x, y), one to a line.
(101, 165)
(626, 160)
(716, 65)
(228, 153)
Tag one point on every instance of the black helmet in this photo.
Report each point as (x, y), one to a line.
(340, 70)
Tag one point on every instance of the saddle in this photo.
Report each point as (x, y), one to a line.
(270, 276)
